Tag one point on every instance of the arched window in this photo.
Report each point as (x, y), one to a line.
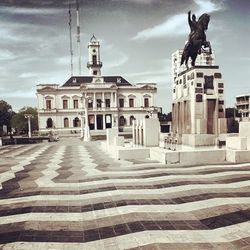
(122, 121)
(131, 119)
(94, 59)
(49, 123)
(66, 122)
(76, 122)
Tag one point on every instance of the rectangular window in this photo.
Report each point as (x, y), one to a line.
(146, 102)
(220, 85)
(99, 103)
(65, 104)
(199, 74)
(107, 103)
(121, 103)
(199, 85)
(198, 90)
(75, 104)
(90, 105)
(220, 91)
(131, 102)
(48, 104)
(221, 102)
(217, 75)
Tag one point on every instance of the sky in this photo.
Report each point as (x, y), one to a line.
(137, 39)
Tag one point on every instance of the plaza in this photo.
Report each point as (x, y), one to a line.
(72, 195)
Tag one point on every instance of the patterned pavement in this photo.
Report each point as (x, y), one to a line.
(72, 195)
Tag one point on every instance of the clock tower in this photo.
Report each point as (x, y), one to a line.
(94, 64)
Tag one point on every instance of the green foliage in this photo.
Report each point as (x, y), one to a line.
(20, 123)
(6, 114)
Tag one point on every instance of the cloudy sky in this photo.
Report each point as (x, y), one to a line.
(137, 40)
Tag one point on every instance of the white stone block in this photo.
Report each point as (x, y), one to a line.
(202, 157)
(133, 153)
(158, 154)
(198, 139)
(172, 157)
(111, 133)
(222, 125)
(244, 131)
(1, 142)
(238, 156)
(119, 141)
(239, 143)
(151, 132)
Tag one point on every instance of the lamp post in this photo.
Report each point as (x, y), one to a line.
(28, 116)
(86, 137)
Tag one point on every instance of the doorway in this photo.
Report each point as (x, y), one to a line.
(99, 121)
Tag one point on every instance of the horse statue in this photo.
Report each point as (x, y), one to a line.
(197, 38)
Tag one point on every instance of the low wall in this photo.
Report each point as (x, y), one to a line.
(198, 139)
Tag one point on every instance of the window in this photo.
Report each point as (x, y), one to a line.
(76, 122)
(48, 104)
(99, 103)
(221, 110)
(94, 59)
(221, 102)
(173, 90)
(49, 123)
(131, 119)
(65, 104)
(107, 103)
(75, 104)
(198, 90)
(122, 121)
(220, 85)
(217, 75)
(131, 102)
(220, 91)
(199, 85)
(90, 105)
(209, 82)
(66, 122)
(199, 74)
(146, 102)
(95, 72)
(121, 103)
(198, 98)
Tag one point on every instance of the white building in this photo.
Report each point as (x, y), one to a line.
(243, 105)
(113, 101)
(204, 59)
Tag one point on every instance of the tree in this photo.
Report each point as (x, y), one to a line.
(6, 114)
(20, 123)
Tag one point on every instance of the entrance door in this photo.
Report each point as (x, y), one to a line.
(99, 120)
(210, 116)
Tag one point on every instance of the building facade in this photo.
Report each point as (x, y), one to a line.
(112, 100)
(198, 102)
(243, 105)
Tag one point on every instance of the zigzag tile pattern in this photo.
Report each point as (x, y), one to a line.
(72, 195)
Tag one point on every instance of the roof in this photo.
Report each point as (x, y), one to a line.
(78, 80)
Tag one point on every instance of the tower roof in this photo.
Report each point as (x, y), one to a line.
(93, 39)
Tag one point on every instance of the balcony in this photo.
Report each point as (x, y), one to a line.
(94, 64)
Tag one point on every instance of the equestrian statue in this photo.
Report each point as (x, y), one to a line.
(197, 38)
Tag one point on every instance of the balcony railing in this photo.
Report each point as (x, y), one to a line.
(94, 64)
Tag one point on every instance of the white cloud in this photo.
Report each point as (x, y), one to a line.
(7, 55)
(177, 24)
(18, 94)
(28, 75)
(30, 11)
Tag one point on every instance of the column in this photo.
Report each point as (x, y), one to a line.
(103, 100)
(95, 122)
(112, 100)
(94, 100)
(104, 121)
(116, 106)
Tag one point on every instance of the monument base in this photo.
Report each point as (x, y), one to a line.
(196, 140)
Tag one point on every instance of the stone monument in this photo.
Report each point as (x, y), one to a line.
(198, 107)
